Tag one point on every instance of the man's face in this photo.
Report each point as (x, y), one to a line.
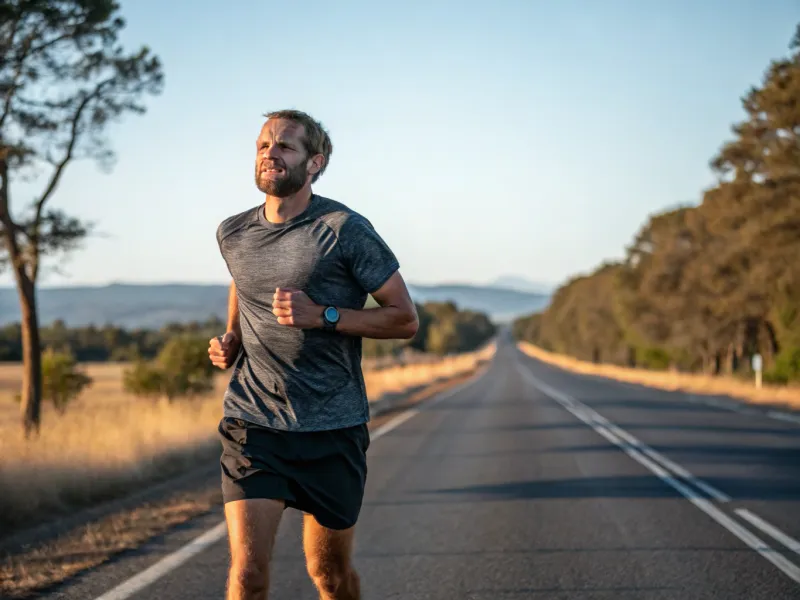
(282, 165)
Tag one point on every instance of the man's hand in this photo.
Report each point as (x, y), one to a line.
(295, 309)
(222, 350)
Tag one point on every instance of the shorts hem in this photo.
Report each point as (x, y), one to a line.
(246, 494)
(339, 526)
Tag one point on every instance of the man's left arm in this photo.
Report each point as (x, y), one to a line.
(394, 318)
(369, 260)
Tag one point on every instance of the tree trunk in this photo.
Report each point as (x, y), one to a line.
(730, 359)
(31, 357)
(708, 363)
(768, 344)
(31, 393)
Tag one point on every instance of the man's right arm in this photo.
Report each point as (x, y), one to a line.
(233, 312)
(224, 349)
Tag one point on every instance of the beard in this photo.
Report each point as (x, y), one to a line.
(292, 181)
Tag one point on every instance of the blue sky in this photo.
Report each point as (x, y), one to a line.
(481, 139)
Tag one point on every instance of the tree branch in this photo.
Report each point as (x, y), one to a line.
(53, 42)
(26, 45)
(12, 34)
(56, 176)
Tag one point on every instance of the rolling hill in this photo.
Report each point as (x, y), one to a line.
(151, 306)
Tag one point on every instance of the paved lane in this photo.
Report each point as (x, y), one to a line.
(502, 492)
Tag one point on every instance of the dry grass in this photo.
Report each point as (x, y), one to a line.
(399, 379)
(96, 542)
(91, 545)
(109, 443)
(788, 396)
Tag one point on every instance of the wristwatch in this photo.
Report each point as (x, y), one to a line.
(330, 318)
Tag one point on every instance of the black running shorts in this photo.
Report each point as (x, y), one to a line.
(322, 473)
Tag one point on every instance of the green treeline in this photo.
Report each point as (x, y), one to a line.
(702, 288)
(443, 329)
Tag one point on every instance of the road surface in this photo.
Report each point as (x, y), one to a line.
(529, 482)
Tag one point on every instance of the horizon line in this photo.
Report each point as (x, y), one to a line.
(164, 283)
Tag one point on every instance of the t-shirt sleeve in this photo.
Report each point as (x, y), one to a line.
(366, 254)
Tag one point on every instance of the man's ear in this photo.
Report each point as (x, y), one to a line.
(315, 164)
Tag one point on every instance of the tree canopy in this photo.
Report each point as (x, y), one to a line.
(704, 287)
(63, 79)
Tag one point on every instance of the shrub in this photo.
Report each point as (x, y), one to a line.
(143, 379)
(61, 381)
(654, 358)
(181, 369)
(786, 369)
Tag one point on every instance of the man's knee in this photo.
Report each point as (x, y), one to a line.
(250, 576)
(331, 576)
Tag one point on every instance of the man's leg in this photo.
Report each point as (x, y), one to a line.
(328, 559)
(252, 525)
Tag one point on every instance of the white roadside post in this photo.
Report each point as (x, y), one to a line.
(757, 365)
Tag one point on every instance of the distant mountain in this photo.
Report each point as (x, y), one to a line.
(151, 306)
(522, 284)
(501, 304)
(125, 305)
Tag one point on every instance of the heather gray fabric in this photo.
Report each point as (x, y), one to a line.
(288, 378)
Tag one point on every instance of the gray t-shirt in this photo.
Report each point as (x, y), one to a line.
(289, 378)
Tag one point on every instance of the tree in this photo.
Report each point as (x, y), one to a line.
(63, 79)
(143, 379)
(181, 369)
(456, 331)
(704, 287)
(62, 382)
(443, 337)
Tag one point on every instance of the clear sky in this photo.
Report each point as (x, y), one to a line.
(480, 138)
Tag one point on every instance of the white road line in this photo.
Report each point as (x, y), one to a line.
(670, 465)
(583, 412)
(770, 529)
(776, 414)
(141, 580)
(733, 406)
(633, 441)
(172, 561)
(396, 422)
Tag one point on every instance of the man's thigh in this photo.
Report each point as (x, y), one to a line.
(252, 528)
(327, 550)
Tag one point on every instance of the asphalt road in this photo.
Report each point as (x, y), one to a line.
(534, 483)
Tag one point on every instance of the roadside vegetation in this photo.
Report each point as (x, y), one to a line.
(703, 288)
(116, 426)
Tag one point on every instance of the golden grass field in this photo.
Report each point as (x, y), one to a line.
(788, 396)
(109, 442)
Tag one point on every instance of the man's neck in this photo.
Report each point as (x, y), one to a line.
(280, 210)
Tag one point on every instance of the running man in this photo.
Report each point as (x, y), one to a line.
(294, 427)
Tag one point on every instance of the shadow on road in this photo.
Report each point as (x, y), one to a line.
(741, 488)
(589, 589)
(565, 550)
(706, 454)
(583, 487)
(777, 430)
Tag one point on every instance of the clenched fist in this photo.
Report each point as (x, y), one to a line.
(223, 349)
(295, 309)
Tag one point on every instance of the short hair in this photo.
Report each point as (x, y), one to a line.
(317, 140)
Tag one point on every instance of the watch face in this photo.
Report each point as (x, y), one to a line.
(331, 314)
